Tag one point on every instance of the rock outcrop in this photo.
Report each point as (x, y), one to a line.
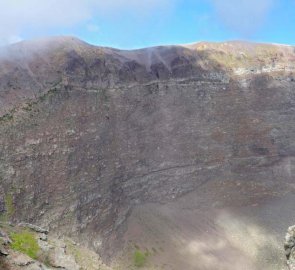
(87, 133)
(53, 253)
(290, 247)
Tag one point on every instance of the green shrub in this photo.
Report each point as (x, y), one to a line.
(26, 243)
(139, 258)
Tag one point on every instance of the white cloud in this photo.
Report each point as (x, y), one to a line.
(243, 16)
(20, 17)
(92, 28)
(17, 16)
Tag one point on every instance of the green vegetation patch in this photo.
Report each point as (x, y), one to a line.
(9, 204)
(25, 242)
(139, 258)
(4, 217)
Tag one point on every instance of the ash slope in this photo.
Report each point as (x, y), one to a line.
(88, 133)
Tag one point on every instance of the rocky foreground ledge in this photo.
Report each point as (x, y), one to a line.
(290, 247)
(30, 247)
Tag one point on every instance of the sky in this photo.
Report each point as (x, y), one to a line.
(130, 24)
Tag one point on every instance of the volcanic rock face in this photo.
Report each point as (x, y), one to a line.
(89, 133)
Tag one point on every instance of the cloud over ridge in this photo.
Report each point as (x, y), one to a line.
(23, 15)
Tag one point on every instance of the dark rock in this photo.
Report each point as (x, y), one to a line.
(43, 237)
(4, 237)
(3, 251)
(34, 228)
(289, 246)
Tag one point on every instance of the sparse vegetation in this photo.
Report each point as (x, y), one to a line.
(9, 204)
(28, 107)
(26, 243)
(139, 258)
(87, 260)
(9, 208)
(48, 94)
(6, 117)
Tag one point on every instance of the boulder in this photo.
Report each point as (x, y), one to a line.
(33, 227)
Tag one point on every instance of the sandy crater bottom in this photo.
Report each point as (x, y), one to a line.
(212, 230)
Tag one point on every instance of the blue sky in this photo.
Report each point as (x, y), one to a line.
(142, 23)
